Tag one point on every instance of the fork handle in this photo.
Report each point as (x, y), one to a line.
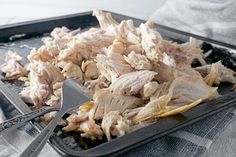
(18, 121)
(37, 144)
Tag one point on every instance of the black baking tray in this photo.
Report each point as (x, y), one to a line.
(65, 144)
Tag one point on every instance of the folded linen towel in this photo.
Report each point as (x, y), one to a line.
(215, 19)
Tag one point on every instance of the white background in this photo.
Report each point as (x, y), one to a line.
(12, 11)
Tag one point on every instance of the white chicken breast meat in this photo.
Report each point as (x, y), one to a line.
(131, 83)
(217, 73)
(42, 77)
(105, 101)
(12, 67)
(112, 65)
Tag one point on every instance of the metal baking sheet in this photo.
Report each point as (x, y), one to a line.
(71, 144)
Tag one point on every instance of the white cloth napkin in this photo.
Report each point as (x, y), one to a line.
(215, 19)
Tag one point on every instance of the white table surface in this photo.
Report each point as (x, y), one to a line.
(12, 11)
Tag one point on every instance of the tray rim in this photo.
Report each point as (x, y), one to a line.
(25, 23)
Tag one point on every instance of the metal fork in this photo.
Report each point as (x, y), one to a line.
(72, 98)
(20, 120)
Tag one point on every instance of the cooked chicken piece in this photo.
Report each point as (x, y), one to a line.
(57, 89)
(12, 56)
(87, 106)
(86, 45)
(171, 110)
(131, 83)
(195, 54)
(79, 122)
(168, 73)
(192, 43)
(183, 91)
(53, 101)
(12, 68)
(57, 86)
(126, 29)
(136, 48)
(186, 71)
(138, 61)
(105, 19)
(41, 54)
(165, 72)
(117, 47)
(130, 113)
(105, 101)
(217, 73)
(91, 129)
(112, 65)
(52, 45)
(183, 53)
(46, 71)
(39, 89)
(149, 89)
(168, 60)
(151, 41)
(193, 50)
(42, 77)
(90, 69)
(173, 50)
(62, 36)
(128, 32)
(73, 71)
(90, 42)
(97, 84)
(77, 117)
(187, 89)
(48, 116)
(162, 89)
(70, 54)
(152, 109)
(25, 95)
(113, 124)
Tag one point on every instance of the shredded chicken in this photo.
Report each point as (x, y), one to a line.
(91, 129)
(112, 65)
(12, 67)
(138, 61)
(73, 71)
(105, 101)
(134, 75)
(131, 83)
(42, 76)
(185, 90)
(94, 85)
(149, 89)
(90, 42)
(182, 92)
(105, 19)
(152, 109)
(90, 69)
(114, 124)
(151, 40)
(217, 73)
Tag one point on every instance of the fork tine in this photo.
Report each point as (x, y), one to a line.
(72, 93)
